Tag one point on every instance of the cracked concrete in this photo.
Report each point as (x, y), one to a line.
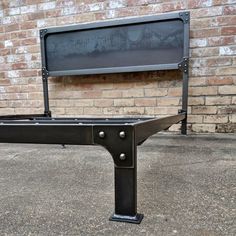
(186, 186)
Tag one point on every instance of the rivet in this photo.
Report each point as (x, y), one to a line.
(101, 134)
(122, 134)
(185, 71)
(180, 65)
(186, 13)
(122, 157)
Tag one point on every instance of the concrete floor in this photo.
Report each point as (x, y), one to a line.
(186, 186)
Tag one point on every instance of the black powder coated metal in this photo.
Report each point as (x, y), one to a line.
(134, 44)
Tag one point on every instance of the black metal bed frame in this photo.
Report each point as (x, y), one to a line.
(120, 136)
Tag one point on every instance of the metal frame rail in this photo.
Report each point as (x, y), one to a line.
(120, 136)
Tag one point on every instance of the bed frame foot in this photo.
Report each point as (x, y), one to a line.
(136, 219)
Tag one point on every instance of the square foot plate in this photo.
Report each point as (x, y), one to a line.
(129, 219)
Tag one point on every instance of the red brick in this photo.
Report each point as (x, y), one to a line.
(17, 66)
(199, 3)
(28, 25)
(205, 33)
(222, 40)
(230, 10)
(228, 30)
(217, 80)
(13, 27)
(177, 5)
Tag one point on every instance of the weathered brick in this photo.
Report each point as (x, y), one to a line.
(124, 102)
(204, 110)
(229, 109)
(229, 30)
(196, 43)
(204, 128)
(226, 70)
(205, 33)
(195, 119)
(208, 90)
(215, 119)
(196, 101)
(232, 118)
(103, 102)
(28, 9)
(230, 10)
(173, 6)
(217, 100)
(228, 50)
(156, 92)
(227, 89)
(114, 4)
(168, 101)
(220, 80)
(220, 41)
(199, 3)
(112, 94)
(207, 12)
(145, 102)
(133, 93)
(204, 52)
(174, 92)
(226, 128)
(47, 6)
(134, 110)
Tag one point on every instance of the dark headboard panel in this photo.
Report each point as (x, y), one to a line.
(127, 45)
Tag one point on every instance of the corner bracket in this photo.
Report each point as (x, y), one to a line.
(119, 141)
(183, 66)
(42, 33)
(185, 16)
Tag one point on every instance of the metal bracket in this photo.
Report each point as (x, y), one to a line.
(48, 113)
(42, 33)
(119, 141)
(45, 73)
(183, 66)
(181, 111)
(184, 16)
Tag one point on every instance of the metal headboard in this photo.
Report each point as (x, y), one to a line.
(148, 43)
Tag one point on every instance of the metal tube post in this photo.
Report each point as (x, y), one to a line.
(126, 193)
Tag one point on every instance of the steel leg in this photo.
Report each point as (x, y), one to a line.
(126, 194)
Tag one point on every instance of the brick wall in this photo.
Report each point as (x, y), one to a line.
(212, 101)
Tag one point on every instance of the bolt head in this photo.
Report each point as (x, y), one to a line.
(122, 134)
(101, 134)
(122, 157)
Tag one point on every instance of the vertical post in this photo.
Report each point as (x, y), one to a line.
(184, 66)
(185, 101)
(47, 111)
(126, 193)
